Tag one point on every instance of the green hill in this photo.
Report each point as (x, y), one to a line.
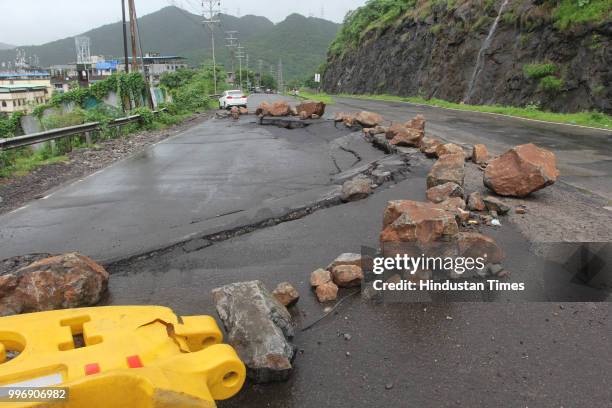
(301, 42)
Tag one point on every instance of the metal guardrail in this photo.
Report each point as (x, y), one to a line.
(53, 134)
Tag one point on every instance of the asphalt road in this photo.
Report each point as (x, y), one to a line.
(584, 155)
(223, 174)
(213, 175)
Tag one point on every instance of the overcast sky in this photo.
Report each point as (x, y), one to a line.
(33, 22)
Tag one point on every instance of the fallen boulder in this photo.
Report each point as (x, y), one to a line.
(258, 327)
(480, 154)
(413, 221)
(448, 168)
(400, 135)
(320, 277)
(280, 108)
(286, 294)
(443, 192)
(369, 119)
(311, 108)
(235, 112)
(355, 189)
(58, 282)
(263, 109)
(521, 171)
(347, 276)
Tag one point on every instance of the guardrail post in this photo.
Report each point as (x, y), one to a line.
(88, 138)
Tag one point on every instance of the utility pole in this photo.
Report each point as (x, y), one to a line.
(240, 56)
(260, 72)
(133, 35)
(125, 45)
(212, 9)
(281, 85)
(232, 42)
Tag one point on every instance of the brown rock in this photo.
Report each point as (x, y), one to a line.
(286, 294)
(320, 277)
(346, 259)
(448, 168)
(417, 123)
(475, 245)
(521, 171)
(480, 154)
(263, 109)
(401, 135)
(413, 221)
(304, 115)
(311, 108)
(369, 119)
(475, 202)
(243, 111)
(347, 276)
(340, 116)
(355, 189)
(235, 112)
(280, 108)
(377, 130)
(59, 282)
(429, 146)
(327, 292)
(449, 148)
(443, 192)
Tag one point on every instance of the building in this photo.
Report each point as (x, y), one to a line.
(155, 65)
(42, 78)
(22, 97)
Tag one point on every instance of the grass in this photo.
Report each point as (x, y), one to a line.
(24, 164)
(535, 71)
(322, 97)
(573, 12)
(592, 119)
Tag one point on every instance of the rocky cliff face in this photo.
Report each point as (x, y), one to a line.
(529, 60)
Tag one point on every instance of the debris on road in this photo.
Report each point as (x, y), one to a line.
(259, 328)
(401, 135)
(449, 148)
(57, 282)
(369, 119)
(286, 294)
(235, 113)
(521, 171)
(346, 259)
(476, 245)
(429, 147)
(443, 192)
(357, 188)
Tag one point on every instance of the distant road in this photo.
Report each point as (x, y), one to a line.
(584, 155)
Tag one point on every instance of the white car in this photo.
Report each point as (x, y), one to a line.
(232, 98)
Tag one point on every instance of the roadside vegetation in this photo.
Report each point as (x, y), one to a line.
(592, 119)
(322, 97)
(188, 91)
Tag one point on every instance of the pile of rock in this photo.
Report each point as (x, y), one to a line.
(344, 272)
(57, 282)
(305, 110)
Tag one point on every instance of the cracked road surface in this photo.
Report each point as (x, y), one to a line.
(213, 175)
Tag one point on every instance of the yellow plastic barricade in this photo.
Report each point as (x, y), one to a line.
(135, 356)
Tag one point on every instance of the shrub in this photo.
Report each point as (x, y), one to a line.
(572, 12)
(536, 71)
(551, 84)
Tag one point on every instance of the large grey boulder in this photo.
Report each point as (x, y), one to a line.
(259, 328)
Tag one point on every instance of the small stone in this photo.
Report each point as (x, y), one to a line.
(475, 202)
(355, 189)
(320, 277)
(521, 210)
(327, 292)
(347, 276)
(443, 192)
(348, 353)
(347, 337)
(286, 294)
(495, 204)
(495, 222)
(388, 386)
(480, 154)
